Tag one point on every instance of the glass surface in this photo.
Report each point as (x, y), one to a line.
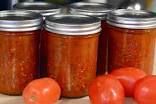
(132, 48)
(71, 60)
(18, 60)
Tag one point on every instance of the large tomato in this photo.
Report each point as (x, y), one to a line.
(128, 76)
(145, 90)
(106, 90)
(42, 91)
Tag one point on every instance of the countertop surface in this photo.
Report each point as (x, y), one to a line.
(4, 99)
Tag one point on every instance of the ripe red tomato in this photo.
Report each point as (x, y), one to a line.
(128, 76)
(106, 90)
(42, 91)
(145, 90)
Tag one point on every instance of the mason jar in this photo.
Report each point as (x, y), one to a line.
(98, 10)
(132, 40)
(70, 46)
(19, 46)
(45, 9)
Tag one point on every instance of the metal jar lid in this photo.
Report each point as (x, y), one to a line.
(15, 20)
(99, 10)
(44, 8)
(132, 19)
(72, 24)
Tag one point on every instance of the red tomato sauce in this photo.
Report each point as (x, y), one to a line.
(71, 60)
(132, 48)
(18, 60)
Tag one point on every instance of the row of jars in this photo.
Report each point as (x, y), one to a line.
(72, 48)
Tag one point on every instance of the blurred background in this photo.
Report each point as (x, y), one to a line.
(143, 4)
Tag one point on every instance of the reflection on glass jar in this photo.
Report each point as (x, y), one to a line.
(98, 10)
(132, 40)
(70, 46)
(19, 46)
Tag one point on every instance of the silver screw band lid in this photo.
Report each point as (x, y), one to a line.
(99, 10)
(132, 19)
(15, 20)
(72, 24)
(44, 8)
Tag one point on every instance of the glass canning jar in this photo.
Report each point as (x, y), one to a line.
(19, 46)
(132, 40)
(70, 46)
(45, 9)
(98, 10)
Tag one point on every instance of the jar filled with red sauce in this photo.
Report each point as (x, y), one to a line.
(45, 9)
(98, 10)
(71, 43)
(132, 40)
(19, 46)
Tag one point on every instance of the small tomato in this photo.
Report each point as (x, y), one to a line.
(128, 76)
(145, 90)
(106, 90)
(42, 91)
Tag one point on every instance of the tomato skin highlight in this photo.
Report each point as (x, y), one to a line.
(128, 76)
(42, 91)
(145, 90)
(106, 90)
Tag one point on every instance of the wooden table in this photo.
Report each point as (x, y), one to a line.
(18, 100)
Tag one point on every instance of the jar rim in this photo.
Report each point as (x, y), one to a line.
(133, 19)
(44, 8)
(17, 20)
(72, 24)
(99, 10)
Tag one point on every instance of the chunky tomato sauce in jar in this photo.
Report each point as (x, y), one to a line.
(132, 40)
(19, 46)
(71, 43)
(100, 11)
(45, 9)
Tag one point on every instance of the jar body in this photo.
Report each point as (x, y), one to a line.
(102, 50)
(131, 48)
(71, 60)
(18, 60)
